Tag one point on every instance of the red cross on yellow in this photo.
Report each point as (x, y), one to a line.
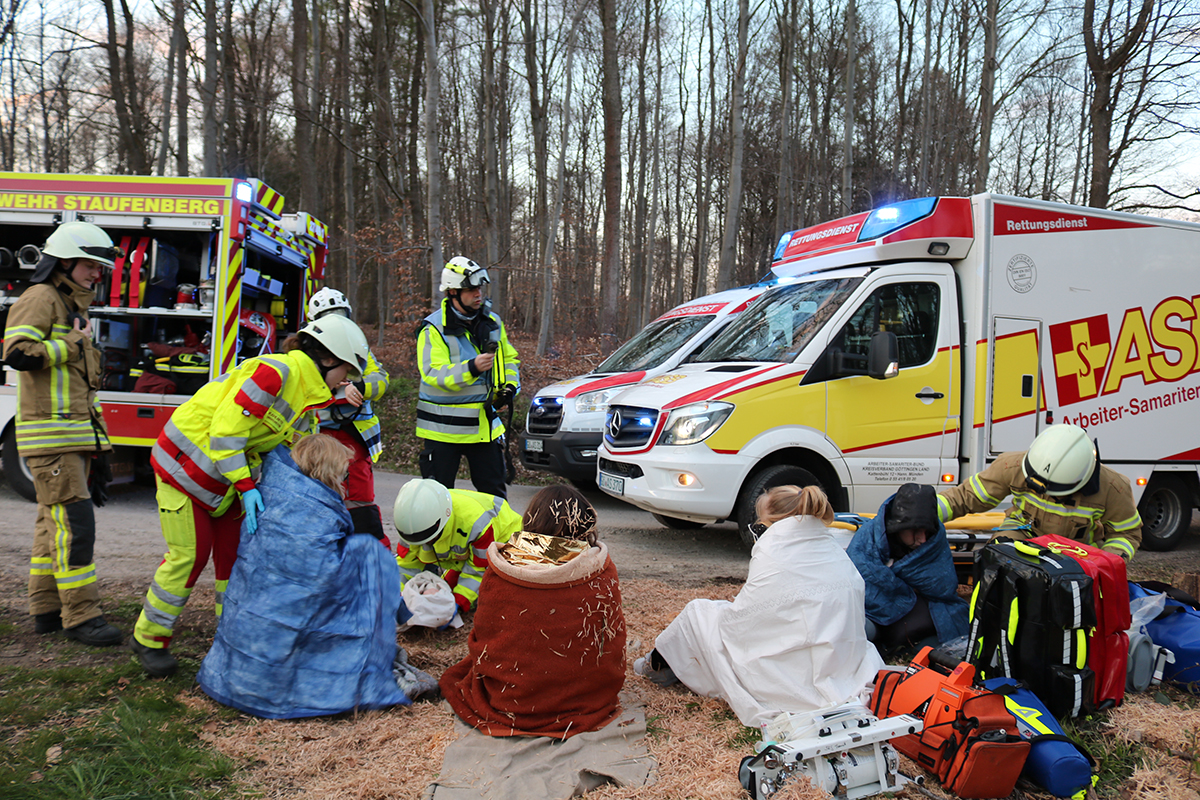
(1084, 360)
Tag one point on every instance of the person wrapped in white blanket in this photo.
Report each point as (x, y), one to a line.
(793, 639)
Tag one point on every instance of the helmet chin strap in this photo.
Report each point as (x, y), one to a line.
(462, 312)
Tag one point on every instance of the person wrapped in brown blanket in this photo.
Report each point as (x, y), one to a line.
(546, 656)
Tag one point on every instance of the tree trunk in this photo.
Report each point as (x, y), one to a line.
(546, 325)
(182, 166)
(1100, 112)
(848, 129)
(212, 66)
(784, 195)
(432, 155)
(733, 201)
(305, 157)
(987, 89)
(610, 265)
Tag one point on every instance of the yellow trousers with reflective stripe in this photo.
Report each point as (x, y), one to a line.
(62, 574)
(192, 536)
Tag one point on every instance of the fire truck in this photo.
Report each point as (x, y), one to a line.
(213, 272)
(917, 342)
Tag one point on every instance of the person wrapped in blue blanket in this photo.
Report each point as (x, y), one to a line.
(309, 627)
(904, 559)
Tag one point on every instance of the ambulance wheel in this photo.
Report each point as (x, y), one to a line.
(1166, 512)
(677, 524)
(15, 469)
(769, 478)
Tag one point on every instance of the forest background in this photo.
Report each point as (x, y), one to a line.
(607, 159)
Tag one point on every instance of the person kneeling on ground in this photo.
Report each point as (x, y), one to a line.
(449, 531)
(911, 587)
(546, 656)
(793, 638)
(309, 625)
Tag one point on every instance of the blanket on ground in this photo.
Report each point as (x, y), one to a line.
(546, 656)
(892, 589)
(542, 768)
(309, 624)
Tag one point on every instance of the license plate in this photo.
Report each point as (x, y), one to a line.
(611, 483)
(533, 445)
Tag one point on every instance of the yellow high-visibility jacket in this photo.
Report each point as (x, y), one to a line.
(452, 405)
(58, 370)
(460, 551)
(212, 446)
(1107, 519)
(374, 382)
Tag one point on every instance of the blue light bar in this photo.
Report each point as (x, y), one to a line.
(887, 219)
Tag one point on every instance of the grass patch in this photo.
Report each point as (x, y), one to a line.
(1115, 759)
(105, 731)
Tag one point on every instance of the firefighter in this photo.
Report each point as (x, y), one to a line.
(60, 430)
(469, 371)
(448, 531)
(1058, 487)
(208, 456)
(352, 421)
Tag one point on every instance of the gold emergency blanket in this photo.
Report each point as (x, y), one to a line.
(525, 548)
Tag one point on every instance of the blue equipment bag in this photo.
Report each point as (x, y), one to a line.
(1177, 629)
(1056, 763)
(309, 622)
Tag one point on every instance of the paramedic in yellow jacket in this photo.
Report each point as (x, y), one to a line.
(1058, 487)
(48, 340)
(448, 531)
(209, 453)
(469, 371)
(352, 421)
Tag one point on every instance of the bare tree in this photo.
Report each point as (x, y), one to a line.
(610, 265)
(737, 142)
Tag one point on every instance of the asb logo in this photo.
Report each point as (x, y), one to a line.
(1081, 351)
(1163, 345)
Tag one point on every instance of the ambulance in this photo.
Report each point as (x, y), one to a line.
(918, 341)
(566, 419)
(212, 265)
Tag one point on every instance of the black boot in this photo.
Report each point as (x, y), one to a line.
(157, 661)
(49, 622)
(95, 632)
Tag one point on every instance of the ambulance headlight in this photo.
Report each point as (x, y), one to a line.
(694, 423)
(590, 402)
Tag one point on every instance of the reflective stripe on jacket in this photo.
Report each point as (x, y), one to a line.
(478, 520)
(452, 404)
(1107, 519)
(375, 383)
(58, 371)
(213, 443)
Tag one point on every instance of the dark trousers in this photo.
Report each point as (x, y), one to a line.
(485, 460)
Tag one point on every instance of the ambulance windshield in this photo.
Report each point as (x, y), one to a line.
(655, 343)
(780, 323)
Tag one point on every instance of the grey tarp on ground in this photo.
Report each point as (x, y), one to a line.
(540, 768)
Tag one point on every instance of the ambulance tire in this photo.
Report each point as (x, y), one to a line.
(768, 478)
(16, 471)
(677, 524)
(1166, 512)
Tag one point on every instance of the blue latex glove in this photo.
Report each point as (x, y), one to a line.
(452, 618)
(252, 504)
(403, 615)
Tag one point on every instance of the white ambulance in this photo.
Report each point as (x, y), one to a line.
(566, 419)
(918, 341)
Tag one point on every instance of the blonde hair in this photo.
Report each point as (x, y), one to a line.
(325, 459)
(560, 510)
(792, 501)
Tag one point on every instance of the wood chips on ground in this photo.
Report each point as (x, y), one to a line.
(696, 742)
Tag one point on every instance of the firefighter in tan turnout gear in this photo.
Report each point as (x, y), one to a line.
(1058, 487)
(48, 340)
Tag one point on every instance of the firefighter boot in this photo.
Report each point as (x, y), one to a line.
(367, 519)
(49, 622)
(95, 632)
(157, 661)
